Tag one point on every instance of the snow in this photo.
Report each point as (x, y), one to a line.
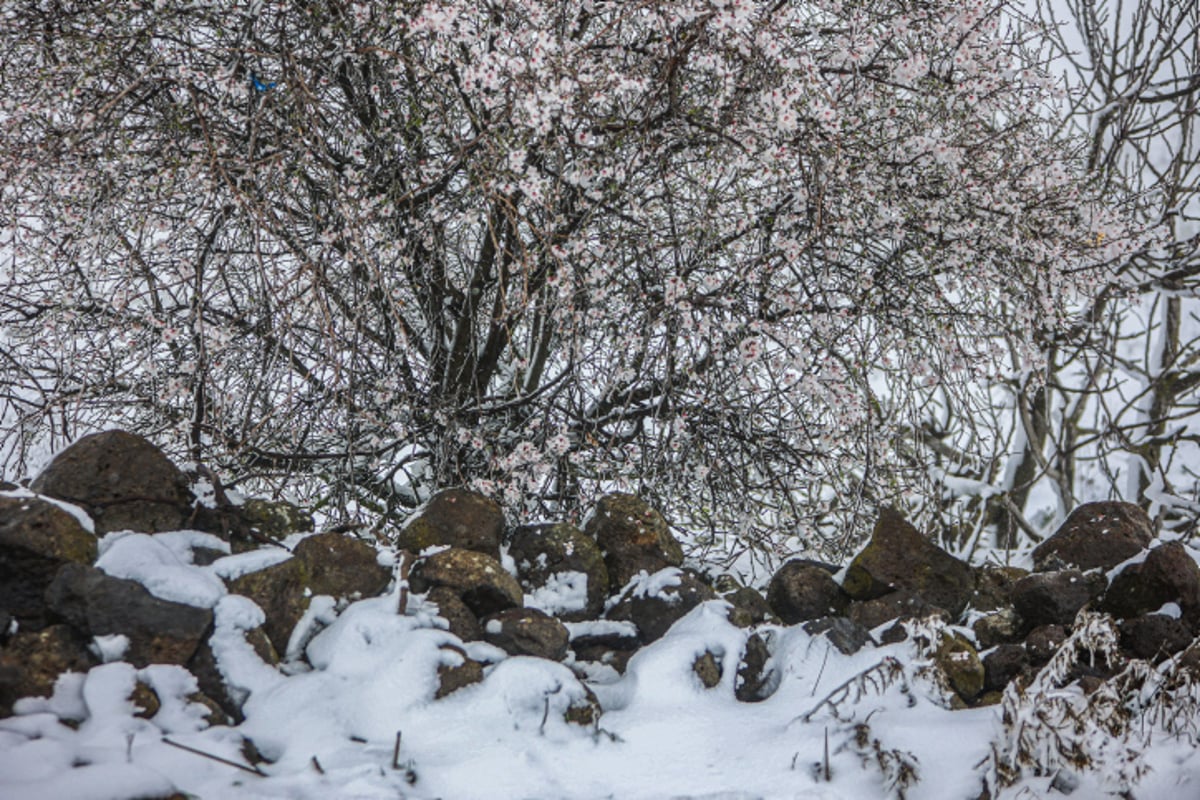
(563, 592)
(163, 564)
(362, 676)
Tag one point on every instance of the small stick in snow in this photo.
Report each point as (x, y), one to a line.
(129, 748)
(317, 765)
(218, 759)
(396, 752)
(827, 754)
(402, 584)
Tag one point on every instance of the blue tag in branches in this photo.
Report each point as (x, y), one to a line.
(259, 85)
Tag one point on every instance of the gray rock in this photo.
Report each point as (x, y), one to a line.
(1095, 535)
(846, 636)
(1054, 598)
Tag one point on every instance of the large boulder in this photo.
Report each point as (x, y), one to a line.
(527, 632)
(1002, 665)
(634, 538)
(800, 591)
(36, 539)
(1054, 598)
(993, 586)
(554, 559)
(159, 631)
(1167, 575)
(456, 518)
(122, 481)
(274, 519)
(655, 610)
(899, 557)
(479, 580)
(1095, 535)
(460, 619)
(31, 661)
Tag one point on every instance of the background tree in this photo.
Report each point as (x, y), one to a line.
(1113, 415)
(724, 254)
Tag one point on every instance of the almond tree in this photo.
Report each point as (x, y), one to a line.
(719, 253)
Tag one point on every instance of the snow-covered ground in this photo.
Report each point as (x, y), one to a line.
(330, 730)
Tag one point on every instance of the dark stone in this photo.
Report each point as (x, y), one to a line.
(899, 557)
(1043, 642)
(1168, 575)
(1002, 665)
(845, 635)
(800, 592)
(895, 634)
(31, 662)
(634, 538)
(898, 605)
(145, 700)
(707, 669)
(747, 607)
(455, 676)
(123, 481)
(1054, 598)
(279, 590)
(1095, 535)
(451, 608)
(6, 625)
(159, 631)
(999, 627)
(1154, 636)
(341, 566)
(615, 657)
(36, 539)
(458, 518)
(654, 616)
(753, 678)
(478, 579)
(993, 586)
(543, 551)
(527, 632)
(584, 712)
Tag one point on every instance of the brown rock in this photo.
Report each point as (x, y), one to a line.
(898, 605)
(634, 538)
(458, 518)
(36, 539)
(999, 627)
(993, 586)
(527, 632)
(654, 615)
(31, 662)
(459, 675)
(1043, 642)
(341, 566)
(747, 607)
(279, 590)
(584, 712)
(479, 580)
(1054, 598)
(122, 481)
(159, 631)
(542, 552)
(451, 608)
(899, 557)
(1095, 535)
(800, 592)
(1168, 575)
(707, 669)
(754, 680)
(1002, 665)
(1154, 636)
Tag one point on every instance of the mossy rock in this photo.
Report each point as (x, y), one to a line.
(275, 519)
(633, 536)
(960, 663)
(457, 518)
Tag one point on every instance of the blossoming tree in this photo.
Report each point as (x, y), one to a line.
(720, 252)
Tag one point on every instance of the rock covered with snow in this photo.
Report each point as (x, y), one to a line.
(550, 557)
(655, 602)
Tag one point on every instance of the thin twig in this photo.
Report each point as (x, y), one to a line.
(396, 751)
(252, 769)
